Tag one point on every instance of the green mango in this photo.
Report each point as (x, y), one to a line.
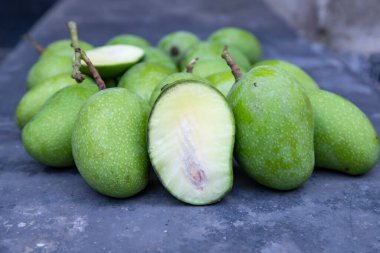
(109, 143)
(223, 81)
(241, 39)
(129, 39)
(344, 138)
(47, 136)
(171, 79)
(306, 82)
(143, 78)
(176, 44)
(213, 50)
(157, 56)
(36, 97)
(48, 67)
(62, 48)
(207, 67)
(274, 128)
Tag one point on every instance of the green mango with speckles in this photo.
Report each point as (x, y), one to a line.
(171, 79)
(157, 56)
(241, 39)
(129, 39)
(35, 98)
(274, 128)
(306, 82)
(344, 138)
(213, 50)
(62, 48)
(109, 143)
(176, 44)
(143, 78)
(47, 67)
(47, 136)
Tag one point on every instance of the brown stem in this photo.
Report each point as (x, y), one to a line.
(95, 74)
(75, 74)
(190, 66)
(233, 66)
(37, 46)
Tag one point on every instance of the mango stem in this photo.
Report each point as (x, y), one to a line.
(81, 55)
(233, 66)
(37, 46)
(75, 74)
(190, 66)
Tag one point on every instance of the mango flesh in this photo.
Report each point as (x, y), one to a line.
(344, 138)
(274, 128)
(109, 143)
(62, 48)
(171, 79)
(241, 39)
(129, 39)
(306, 82)
(213, 50)
(47, 137)
(157, 56)
(48, 67)
(36, 97)
(190, 142)
(143, 78)
(177, 43)
(111, 61)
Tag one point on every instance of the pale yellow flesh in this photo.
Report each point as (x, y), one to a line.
(114, 55)
(191, 135)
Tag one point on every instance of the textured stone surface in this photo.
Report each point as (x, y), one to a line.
(51, 210)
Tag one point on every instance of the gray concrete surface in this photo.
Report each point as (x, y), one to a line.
(51, 210)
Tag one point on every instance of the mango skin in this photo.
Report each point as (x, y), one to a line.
(62, 48)
(241, 39)
(128, 39)
(109, 143)
(181, 40)
(213, 50)
(344, 138)
(223, 81)
(36, 97)
(181, 76)
(47, 137)
(47, 67)
(274, 128)
(207, 67)
(143, 78)
(306, 82)
(157, 56)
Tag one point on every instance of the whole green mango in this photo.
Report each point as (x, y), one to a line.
(109, 143)
(344, 137)
(47, 137)
(36, 97)
(274, 128)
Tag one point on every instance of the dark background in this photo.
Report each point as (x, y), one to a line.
(16, 18)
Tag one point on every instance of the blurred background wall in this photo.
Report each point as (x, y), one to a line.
(344, 25)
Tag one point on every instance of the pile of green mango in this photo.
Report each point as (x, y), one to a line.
(188, 121)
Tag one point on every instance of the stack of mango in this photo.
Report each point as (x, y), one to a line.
(187, 108)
